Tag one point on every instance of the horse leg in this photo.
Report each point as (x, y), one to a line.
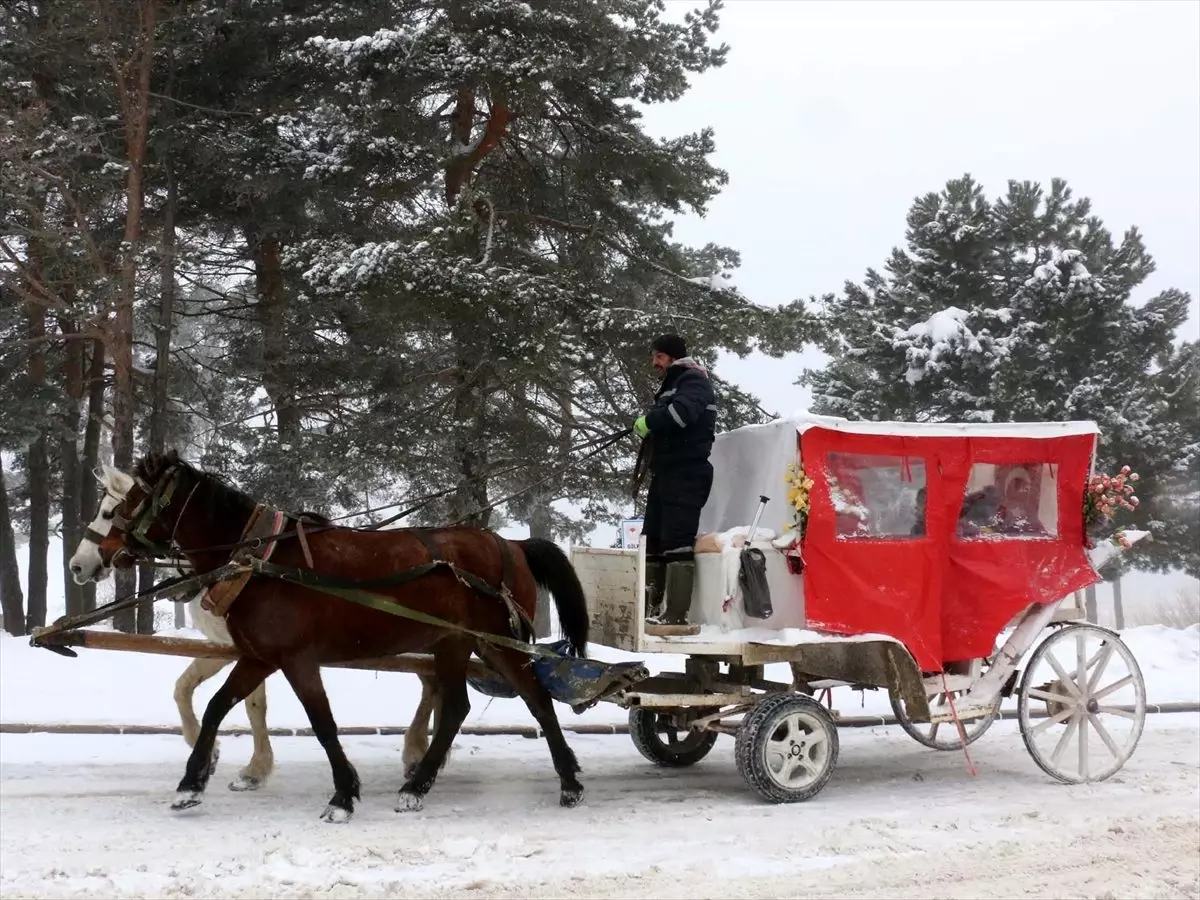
(262, 761)
(305, 679)
(198, 671)
(247, 674)
(450, 667)
(515, 668)
(416, 738)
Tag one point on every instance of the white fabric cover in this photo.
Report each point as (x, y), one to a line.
(749, 462)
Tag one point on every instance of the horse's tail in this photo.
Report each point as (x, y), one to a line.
(553, 570)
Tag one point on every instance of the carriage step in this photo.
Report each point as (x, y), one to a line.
(672, 630)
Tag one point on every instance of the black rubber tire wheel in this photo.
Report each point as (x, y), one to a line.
(785, 727)
(686, 750)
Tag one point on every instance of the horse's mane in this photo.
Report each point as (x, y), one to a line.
(224, 500)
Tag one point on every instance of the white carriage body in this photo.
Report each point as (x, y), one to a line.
(748, 463)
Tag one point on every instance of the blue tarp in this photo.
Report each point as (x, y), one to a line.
(568, 679)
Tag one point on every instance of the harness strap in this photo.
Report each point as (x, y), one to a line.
(430, 542)
(354, 592)
(304, 542)
(261, 529)
(522, 625)
(518, 620)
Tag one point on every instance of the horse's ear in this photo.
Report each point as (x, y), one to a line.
(150, 466)
(115, 480)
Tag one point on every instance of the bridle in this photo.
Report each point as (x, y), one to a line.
(154, 503)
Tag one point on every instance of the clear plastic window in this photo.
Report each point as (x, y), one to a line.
(1010, 501)
(877, 496)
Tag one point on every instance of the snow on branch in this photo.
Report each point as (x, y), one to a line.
(1065, 264)
(929, 345)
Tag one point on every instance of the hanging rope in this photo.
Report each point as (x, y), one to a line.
(962, 732)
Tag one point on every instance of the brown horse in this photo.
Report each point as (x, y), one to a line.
(281, 626)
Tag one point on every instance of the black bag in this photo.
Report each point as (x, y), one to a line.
(752, 576)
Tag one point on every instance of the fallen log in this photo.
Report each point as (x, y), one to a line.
(416, 663)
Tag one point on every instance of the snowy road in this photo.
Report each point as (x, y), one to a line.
(85, 816)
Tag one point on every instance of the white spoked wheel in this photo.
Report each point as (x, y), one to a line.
(1090, 689)
(787, 747)
(944, 735)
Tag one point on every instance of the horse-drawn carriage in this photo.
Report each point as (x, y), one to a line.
(906, 551)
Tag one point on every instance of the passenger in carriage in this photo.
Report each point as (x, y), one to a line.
(988, 512)
(918, 528)
(978, 511)
(1018, 513)
(679, 430)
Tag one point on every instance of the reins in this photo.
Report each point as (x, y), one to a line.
(597, 445)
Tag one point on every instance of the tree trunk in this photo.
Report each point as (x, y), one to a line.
(135, 99)
(470, 448)
(39, 474)
(276, 366)
(12, 599)
(72, 474)
(273, 309)
(540, 527)
(1118, 605)
(89, 495)
(1089, 603)
(162, 366)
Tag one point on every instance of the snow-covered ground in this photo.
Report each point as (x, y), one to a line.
(86, 816)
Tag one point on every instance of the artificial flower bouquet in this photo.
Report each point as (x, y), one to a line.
(799, 486)
(1105, 495)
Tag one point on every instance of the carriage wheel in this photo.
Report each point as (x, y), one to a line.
(663, 742)
(944, 735)
(1092, 690)
(787, 747)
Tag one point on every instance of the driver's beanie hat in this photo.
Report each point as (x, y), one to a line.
(670, 344)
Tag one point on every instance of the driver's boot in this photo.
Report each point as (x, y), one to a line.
(680, 579)
(656, 586)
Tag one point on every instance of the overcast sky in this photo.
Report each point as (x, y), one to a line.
(831, 117)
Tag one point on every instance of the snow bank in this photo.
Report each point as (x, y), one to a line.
(115, 688)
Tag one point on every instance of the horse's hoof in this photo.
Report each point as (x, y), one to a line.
(409, 802)
(570, 798)
(186, 800)
(335, 815)
(247, 783)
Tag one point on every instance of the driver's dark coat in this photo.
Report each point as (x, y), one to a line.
(683, 420)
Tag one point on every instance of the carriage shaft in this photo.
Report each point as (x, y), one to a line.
(416, 663)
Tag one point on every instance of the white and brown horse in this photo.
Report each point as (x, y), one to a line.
(86, 565)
